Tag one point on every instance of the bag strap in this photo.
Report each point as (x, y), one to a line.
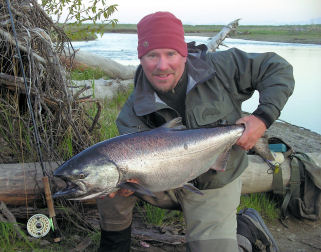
(292, 190)
(277, 182)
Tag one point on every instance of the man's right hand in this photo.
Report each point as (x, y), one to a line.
(123, 192)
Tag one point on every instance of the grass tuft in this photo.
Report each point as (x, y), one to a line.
(88, 74)
(262, 203)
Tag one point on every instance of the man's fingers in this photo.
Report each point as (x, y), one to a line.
(254, 129)
(112, 195)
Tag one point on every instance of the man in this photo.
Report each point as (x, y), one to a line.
(205, 89)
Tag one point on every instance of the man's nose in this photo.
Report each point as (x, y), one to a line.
(162, 63)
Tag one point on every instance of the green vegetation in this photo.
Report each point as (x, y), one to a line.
(88, 74)
(76, 12)
(282, 33)
(109, 108)
(153, 215)
(9, 240)
(261, 202)
(159, 217)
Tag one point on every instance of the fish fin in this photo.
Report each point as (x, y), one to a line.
(137, 188)
(221, 161)
(175, 123)
(192, 188)
(262, 149)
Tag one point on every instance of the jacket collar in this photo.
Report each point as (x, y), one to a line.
(147, 101)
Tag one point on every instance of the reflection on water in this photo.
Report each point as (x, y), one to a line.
(304, 106)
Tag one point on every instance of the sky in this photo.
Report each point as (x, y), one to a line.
(251, 12)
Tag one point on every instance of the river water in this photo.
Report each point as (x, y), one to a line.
(303, 107)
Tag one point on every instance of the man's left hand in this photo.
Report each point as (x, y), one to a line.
(254, 129)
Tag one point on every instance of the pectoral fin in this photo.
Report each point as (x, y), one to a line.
(221, 161)
(135, 187)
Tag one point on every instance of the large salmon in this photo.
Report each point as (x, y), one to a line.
(160, 159)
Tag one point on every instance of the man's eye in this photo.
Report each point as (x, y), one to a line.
(171, 53)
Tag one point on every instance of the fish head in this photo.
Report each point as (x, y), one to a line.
(87, 178)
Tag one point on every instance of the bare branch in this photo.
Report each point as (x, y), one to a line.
(218, 38)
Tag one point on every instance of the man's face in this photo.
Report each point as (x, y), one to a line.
(163, 68)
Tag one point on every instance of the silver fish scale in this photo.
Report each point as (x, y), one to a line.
(159, 159)
(163, 159)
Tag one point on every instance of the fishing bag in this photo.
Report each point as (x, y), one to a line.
(302, 195)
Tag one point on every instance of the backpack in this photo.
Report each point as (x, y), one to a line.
(302, 195)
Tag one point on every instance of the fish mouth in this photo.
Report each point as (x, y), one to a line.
(72, 190)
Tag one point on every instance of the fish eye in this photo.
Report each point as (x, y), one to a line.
(82, 175)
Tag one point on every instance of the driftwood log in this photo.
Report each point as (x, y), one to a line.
(21, 183)
(85, 60)
(217, 40)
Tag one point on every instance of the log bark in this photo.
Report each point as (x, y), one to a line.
(22, 183)
(85, 60)
(217, 39)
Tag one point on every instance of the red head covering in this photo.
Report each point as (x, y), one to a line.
(160, 30)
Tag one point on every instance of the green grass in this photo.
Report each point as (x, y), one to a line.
(154, 215)
(9, 239)
(88, 74)
(262, 203)
(159, 217)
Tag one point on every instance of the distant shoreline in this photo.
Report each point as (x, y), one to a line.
(280, 39)
(302, 34)
(265, 38)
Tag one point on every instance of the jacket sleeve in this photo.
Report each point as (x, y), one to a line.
(127, 121)
(242, 73)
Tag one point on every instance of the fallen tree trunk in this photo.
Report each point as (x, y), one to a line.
(217, 40)
(21, 183)
(84, 60)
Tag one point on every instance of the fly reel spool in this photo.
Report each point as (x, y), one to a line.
(38, 225)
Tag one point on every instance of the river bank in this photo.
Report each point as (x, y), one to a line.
(266, 37)
(305, 34)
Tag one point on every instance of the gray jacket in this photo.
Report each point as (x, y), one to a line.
(218, 83)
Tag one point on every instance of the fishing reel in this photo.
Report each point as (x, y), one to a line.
(38, 225)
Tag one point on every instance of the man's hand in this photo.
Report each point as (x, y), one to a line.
(254, 129)
(123, 192)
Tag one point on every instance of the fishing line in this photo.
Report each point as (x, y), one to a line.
(50, 205)
(36, 133)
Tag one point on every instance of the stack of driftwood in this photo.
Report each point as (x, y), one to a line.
(57, 110)
(38, 109)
